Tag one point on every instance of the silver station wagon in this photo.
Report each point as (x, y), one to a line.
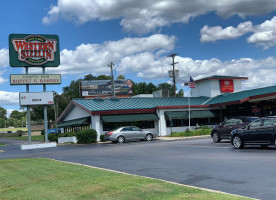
(129, 133)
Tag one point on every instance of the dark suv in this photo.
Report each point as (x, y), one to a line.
(262, 132)
(223, 130)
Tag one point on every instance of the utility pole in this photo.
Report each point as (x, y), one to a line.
(112, 76)
(173, 76)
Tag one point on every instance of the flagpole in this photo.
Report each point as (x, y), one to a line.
(189, 107)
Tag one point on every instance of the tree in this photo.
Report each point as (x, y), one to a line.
(3, 113)
(180, 93)
(121, 77)
(166, 86)
(17, 115)
(88, 77)
(151, 88)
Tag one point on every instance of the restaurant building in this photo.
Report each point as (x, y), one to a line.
(213, 100)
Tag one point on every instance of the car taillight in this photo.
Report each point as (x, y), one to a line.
(109, 133)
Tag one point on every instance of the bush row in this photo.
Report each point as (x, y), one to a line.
(187, 133)
(83, 137)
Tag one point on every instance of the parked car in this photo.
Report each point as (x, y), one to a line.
(261, 131)
(223, 130)
(128, 133)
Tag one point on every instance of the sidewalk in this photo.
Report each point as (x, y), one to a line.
(182, 138)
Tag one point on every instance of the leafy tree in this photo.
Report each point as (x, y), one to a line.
(2, 123)
(151, 88)
(3, 113)
(121, 77)
(88, 77)
(166, 86)
(180, 93)
(103, 77)
(17, 115)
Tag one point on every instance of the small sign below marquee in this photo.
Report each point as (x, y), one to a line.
(226, 86)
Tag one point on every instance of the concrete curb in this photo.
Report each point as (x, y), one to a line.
(190, 186)
(182, 138)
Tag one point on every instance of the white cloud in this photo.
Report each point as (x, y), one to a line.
(9, 98)
(4, 58)
(146, 15)
(260, 72)
(264, 34)
(93, 58)
(211, 34)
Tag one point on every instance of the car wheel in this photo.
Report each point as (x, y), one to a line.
(237, 142)
(148, 137)
(216, 137)
(121, 139)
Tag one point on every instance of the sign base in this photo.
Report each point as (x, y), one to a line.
(37, 146)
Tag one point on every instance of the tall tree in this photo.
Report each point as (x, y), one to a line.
(88, 77)
(180, 93)
(3, 113)
(121, 77)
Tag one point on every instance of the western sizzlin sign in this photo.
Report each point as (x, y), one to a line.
(34, 50)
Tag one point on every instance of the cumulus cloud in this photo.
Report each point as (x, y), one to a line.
(9, 98)
(211, 34)
(263, 35)
(255, 70)
(146, 15)
(93, 58)
(4, 58)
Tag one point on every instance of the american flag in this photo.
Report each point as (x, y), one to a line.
(191, 83)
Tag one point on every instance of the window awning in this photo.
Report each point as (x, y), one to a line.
(129, 118)
(75, 122)
(193, 114)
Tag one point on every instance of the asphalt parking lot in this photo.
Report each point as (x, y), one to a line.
(198, 162)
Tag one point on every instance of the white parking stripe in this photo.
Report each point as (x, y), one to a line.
(205, 147)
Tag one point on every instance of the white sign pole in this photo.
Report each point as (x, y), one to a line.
(28, 114)
(45, 113)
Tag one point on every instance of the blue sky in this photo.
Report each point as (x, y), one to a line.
(226, 37)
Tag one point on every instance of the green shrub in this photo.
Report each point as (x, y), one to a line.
(102, 138)
(53, 137)
(87, 136)
(68, 134)
(42, 132)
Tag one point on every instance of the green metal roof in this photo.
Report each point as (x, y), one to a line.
(129, 118)
(151, 103)
(238, 96)
(136, 103)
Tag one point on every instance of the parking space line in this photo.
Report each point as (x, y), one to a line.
(205, 147)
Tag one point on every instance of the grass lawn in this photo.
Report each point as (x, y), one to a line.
(48, 179)
(2, 144)
(198, 132)
(39, 138)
